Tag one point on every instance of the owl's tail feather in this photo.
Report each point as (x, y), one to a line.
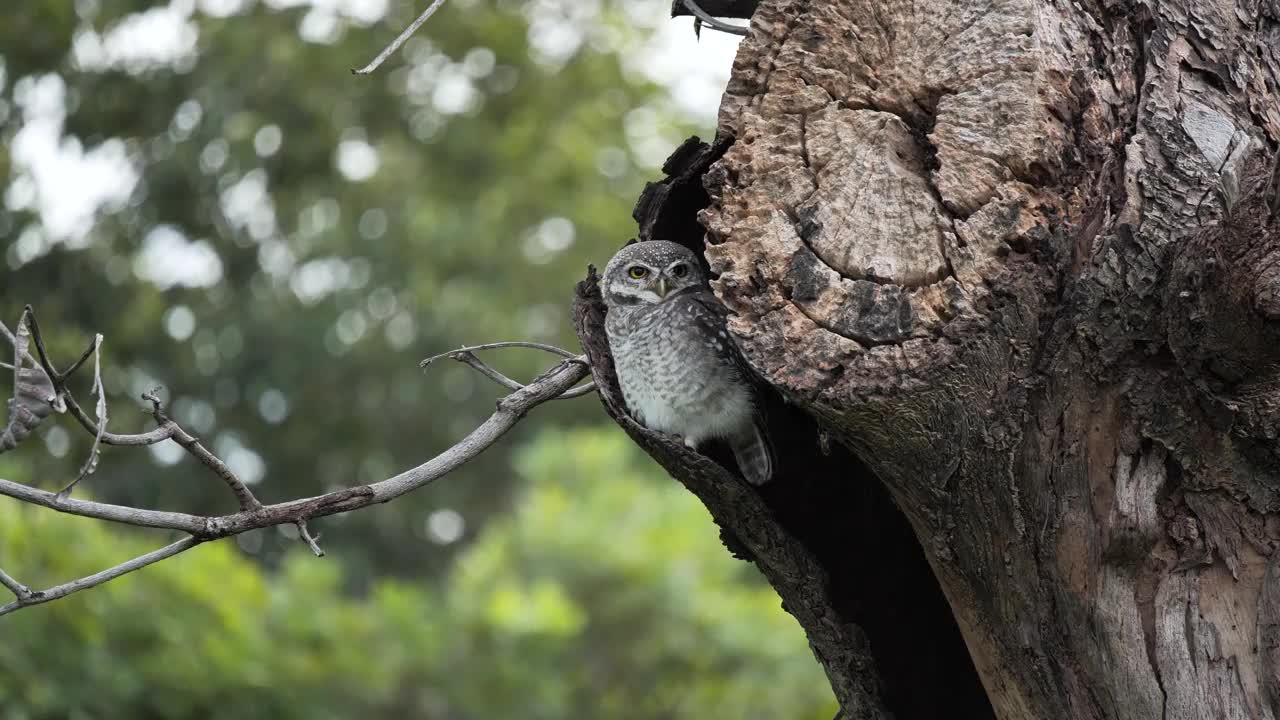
(754, 455)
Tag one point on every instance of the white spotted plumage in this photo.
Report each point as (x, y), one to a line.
(679, 371)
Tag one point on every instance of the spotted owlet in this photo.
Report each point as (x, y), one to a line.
(680, 372)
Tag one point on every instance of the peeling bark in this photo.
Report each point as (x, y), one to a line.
(1019, 259)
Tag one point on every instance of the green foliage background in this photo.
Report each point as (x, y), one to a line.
(507, 144)
(537, 619)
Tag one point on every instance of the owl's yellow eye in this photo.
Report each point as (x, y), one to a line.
(638, 272)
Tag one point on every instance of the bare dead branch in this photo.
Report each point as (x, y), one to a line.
(244, 496)
(400, 39)
(152, 437)
(510, 410)
(467, 356)
(485, 369)
(103, 511)
(711, 22)
(18, 589)
(36, 597)
(545, 347)
(167, 429)
(59, 379)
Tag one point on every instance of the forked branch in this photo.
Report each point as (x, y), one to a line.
(466, 355)
(17, 588)
(558, 382)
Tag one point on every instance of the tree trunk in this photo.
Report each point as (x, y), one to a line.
(1011, 270)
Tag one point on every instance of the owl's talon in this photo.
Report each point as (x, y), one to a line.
(673, 437)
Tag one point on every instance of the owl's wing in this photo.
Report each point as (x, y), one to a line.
(711, 318)
(754, 452)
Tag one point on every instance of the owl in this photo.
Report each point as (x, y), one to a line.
(680, 372)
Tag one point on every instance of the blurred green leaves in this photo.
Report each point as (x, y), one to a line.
(605, 594)
(278, 242)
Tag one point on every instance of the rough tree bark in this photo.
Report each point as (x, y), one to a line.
(1011, 268)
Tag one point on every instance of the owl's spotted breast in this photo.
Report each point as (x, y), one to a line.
(676, 370)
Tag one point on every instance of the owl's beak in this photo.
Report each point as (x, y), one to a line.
(662, 287)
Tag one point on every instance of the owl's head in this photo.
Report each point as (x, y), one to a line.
(650, 272)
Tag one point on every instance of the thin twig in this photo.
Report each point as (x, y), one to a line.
(493, 374)
(166, 428)
(93, 348)
(37, 597)
(510, 410)
(19, 590)
(400, 40)
(511, 343)
(485, 369)
(466, 355)
(711, 22)
(29, 316)
(244, 496)
(309, 539)
(58, 379)
(91, 462)
(151, 437)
